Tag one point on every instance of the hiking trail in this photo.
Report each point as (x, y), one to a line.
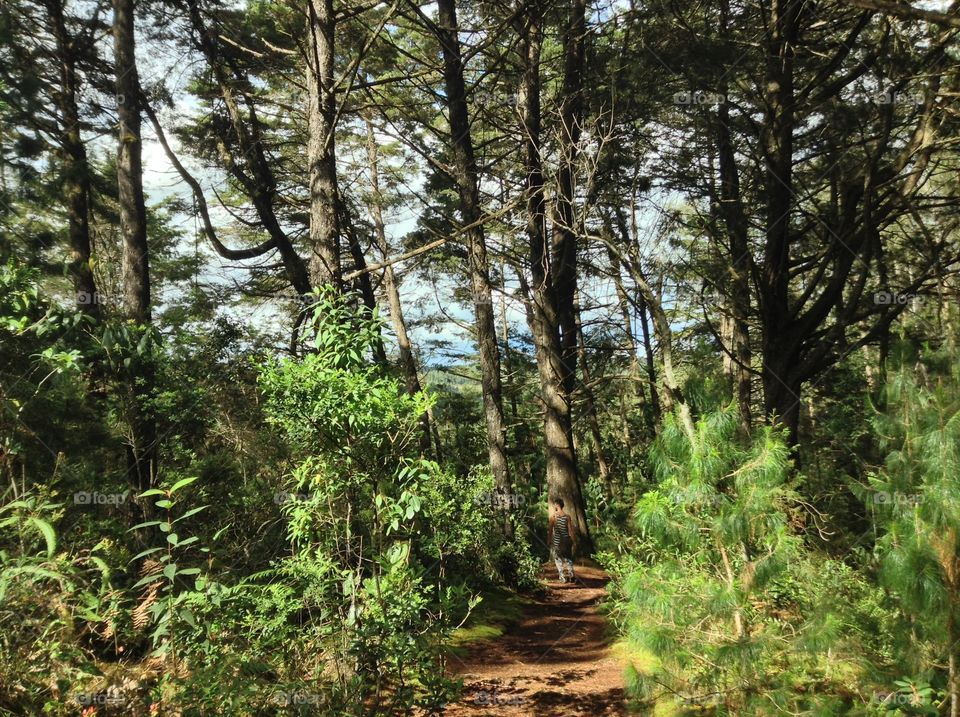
(556, 660)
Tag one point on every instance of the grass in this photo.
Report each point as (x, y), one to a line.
(499, 609)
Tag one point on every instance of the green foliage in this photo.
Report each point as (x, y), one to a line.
(374, 521)
(165, 602)
(719, 601)
(56, 609)
(915, 498)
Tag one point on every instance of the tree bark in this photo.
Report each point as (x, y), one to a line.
(735, 220)
(781, 392)
(563, 480)
(564, 240)
(593, 419)
(142, 456)
(76, 171)
(325, 229)
(464, 170)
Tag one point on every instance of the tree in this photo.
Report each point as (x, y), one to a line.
(321, 143)
(556, 378)
(76, 171)
(133, 227)
(915, 501)
(465, 177)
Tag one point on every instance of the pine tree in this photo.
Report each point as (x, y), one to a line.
(721, 524)
(917, 500)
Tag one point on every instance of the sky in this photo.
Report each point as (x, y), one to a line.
(420, 298)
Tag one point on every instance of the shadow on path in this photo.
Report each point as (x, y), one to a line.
(555, 661)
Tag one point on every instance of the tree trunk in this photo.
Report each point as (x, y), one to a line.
(142, 456)
(325, 230)
(623, 300)
(563, 480)
(953, 659)
(76, 171)
(591, 405)
(655, 410)
(464, 169)
(735, 220)
(408, 362)
(564, 249)
(781, 390)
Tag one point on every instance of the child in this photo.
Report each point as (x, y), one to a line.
(560, 540)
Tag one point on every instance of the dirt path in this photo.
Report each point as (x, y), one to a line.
(554, 662)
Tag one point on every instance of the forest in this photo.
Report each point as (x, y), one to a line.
(330, 329)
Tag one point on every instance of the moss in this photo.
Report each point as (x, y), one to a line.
(498, 610)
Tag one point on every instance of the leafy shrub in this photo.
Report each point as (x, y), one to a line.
(56, 611)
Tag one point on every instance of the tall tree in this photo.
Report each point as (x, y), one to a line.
(76, 171)
(325, 229)
(565, 224)
(464, 169)
(408, 362)
(544, 315)
(133, 230)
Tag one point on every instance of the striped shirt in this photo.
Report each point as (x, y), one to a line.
(560, 534)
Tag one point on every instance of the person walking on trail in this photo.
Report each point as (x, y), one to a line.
(560, 540)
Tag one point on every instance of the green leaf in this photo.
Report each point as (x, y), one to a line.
(148, 524)
(192, 511)
(170, 571)
(188, 618)
(49, 534)
(102, 565)
(182, 483)
(147, 580)
(152, 491)
(164, 504)
(173, 539)
(164, 526)
(145, 553)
